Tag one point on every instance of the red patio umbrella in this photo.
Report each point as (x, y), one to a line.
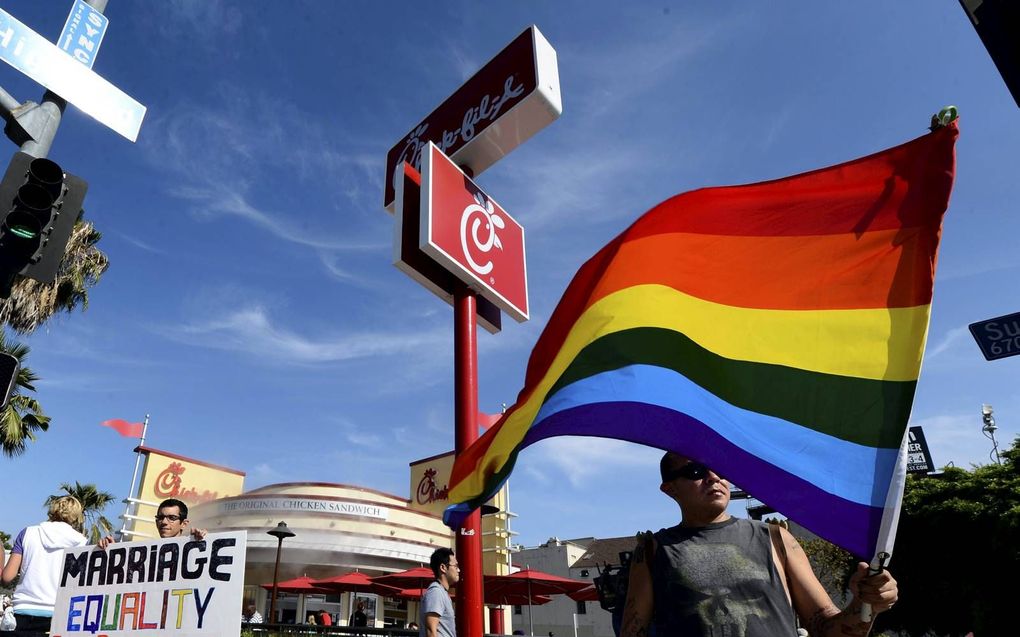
(531, 583)
(590, 594)
(300, 585)
(416, 593)
(418, 577)
(354, 582)
(513, 599)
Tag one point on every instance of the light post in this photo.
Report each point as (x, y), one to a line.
(281, 531)
(988, 429)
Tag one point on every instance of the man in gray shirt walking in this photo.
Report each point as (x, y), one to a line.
(437, 618)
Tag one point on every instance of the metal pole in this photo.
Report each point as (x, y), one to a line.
(52, 108)
(276, 575)
(132, 504)
(470, 618)
(8, 103)
(531, 610)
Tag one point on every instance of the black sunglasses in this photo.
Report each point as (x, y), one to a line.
(690, 471)
(172, 518)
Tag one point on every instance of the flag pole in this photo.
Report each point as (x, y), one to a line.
(131, 500)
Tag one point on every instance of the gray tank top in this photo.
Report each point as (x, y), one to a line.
(719, 581)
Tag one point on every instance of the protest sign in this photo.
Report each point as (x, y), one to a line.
(178, 586)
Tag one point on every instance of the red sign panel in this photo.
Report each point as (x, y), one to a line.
(410, 259)
(519, 88)
(464, 230)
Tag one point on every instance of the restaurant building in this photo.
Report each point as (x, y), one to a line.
(338, 528)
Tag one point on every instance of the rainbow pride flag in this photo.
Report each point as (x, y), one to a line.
(772, 331)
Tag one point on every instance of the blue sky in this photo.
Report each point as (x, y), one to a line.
(251, 306)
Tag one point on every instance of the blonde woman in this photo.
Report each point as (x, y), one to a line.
(38, 555)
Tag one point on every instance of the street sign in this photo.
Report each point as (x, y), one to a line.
(412, 261)
(83, 33)
(998, 337)
(918, 456)
(469, 234)
(500, 107)
(44, 62)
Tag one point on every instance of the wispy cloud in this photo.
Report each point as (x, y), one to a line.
(220, 200)
(206, 22)
(951, 337)
(239, 160)
(251, 330)
(579, 459)
(977, 264)
(330, 260)
(138, 243)
(669, 52)
(263, 473)
(573, 188)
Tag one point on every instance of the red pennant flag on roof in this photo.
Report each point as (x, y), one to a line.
(124, 428)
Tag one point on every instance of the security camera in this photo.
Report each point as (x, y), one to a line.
(987, 419)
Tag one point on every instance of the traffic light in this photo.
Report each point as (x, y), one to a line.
(40, 205)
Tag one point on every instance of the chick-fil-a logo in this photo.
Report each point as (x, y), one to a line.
(428, 492)
(478, 213)
(168, 485)
(475, 119)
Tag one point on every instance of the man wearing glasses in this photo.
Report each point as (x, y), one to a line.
(172, 520)
(437, 618)
(714, 574)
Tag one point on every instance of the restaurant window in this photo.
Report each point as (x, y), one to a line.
(518, 610)
(582, 608)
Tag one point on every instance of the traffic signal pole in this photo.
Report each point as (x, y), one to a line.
(40, 202)
(34, 126)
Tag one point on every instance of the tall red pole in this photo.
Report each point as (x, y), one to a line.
(470, 618)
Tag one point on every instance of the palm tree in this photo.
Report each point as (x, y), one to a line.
(33, 303)
(22, 417)
(93, 501)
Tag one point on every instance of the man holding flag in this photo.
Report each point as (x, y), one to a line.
(715, 574)
(773, 331)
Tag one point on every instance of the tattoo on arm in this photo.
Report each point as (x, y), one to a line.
(828, 621)
(815, 622)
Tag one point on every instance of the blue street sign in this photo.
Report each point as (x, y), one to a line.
(83, 33)
(998, 337)
(44, 62)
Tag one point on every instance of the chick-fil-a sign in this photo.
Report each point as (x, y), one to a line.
(519, 88)
(463, 229)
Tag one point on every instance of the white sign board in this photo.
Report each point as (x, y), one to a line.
(83, 33)
(179, 586)
(36, 57)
